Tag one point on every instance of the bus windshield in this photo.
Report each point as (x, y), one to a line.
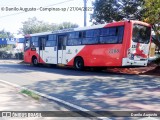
(141, 34)
(27, 43)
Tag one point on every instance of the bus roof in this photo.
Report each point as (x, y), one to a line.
(84, 28)
(70, 30)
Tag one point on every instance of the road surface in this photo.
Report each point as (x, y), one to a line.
(96, 91)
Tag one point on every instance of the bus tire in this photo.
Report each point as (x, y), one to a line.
(34, 61)
(78, 63)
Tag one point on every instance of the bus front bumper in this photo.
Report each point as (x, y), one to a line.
(129, 62)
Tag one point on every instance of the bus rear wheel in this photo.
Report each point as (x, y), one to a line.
(79, 63)
(34, 61)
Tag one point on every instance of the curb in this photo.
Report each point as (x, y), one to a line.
(57, 100)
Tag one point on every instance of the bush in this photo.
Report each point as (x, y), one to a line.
(5, 55)
(157, 61)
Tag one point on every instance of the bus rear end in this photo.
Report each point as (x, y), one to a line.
(138, 46)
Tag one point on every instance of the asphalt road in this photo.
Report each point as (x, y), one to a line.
(91, 90)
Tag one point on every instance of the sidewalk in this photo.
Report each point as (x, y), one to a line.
(10, 61)
(12, 100)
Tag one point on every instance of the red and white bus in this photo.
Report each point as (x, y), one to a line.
(124, 43)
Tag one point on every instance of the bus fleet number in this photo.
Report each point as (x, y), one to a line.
(112, 51)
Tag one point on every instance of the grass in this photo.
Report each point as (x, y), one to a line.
(31, 94)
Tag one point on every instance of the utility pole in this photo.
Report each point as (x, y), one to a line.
(85, 12)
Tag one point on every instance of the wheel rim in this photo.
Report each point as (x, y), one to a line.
(79, 64)
(35, 61)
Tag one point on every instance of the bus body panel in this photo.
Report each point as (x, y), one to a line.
(100, 55)
(72, 52)
(30, 53)
(50, 55)
(27, 56)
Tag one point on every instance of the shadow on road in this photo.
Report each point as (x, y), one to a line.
(25, 68)
(101, 94)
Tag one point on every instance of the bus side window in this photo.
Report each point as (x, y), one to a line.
(91, 37)
(104, 32)
(112, 35)
(113, 31)
(75, 38)
(120, 34)
(74, 35)
(51, 41)
(109, 35)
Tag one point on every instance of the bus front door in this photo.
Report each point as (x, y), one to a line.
(62, 49)
(42, 42)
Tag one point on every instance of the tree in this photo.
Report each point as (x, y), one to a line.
(5, 34)
(152, 11)
(66, 25)
(33, 25)
(152, 16)
(109, 10)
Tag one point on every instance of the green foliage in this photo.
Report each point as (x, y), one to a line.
(31, 94)
(6, 51)
(5, 55)
(32, 25)
(152, 11)
(157, 61)
(109, 10)
(66, 25)
(152, 15)
(5, 34)
(6, 47)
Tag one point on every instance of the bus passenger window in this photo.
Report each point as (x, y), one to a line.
(74, 35)
(109, 39)
(89, 33)
(90, 40)
(52, 37)
(96, 32)
(112, 35)
(73, 42)
(113, 31)
(104, 32)
(51, 41)
(120, 34)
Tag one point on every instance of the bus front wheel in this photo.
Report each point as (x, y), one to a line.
(34, 61)
(79, 63)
